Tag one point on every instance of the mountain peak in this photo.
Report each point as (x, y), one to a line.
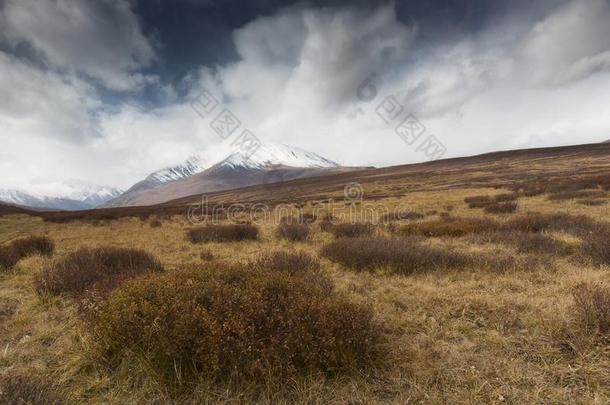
(272, 154)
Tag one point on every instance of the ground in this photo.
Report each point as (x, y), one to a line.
(469, 335)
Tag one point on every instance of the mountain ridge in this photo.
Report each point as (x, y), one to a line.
(270, 163)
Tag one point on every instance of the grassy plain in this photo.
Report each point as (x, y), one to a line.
(469, 335)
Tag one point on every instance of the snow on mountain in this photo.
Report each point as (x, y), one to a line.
(193, 165)
(69, 195)
(271, 154)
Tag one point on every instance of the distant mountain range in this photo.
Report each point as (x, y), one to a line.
(70, 196)
(271, 163)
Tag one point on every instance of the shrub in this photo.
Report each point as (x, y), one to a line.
(506, 197)
(223, 233)
(155, 223)
(593, 202)
(399, 255)
(540, 243)
(348, 230)
(287, 262)
(597, 246)
(533, 192)
(501, 208)
(34, 245)
(21, 248)
(17, 389)
(402, 216)
(8, 257)
(593, 306)
(292, 232)
(206, 255)
(536, 222)
(451, 227)
(101, 269)
(326, 225)
(478, 201)
(570, 195)
(221, 323)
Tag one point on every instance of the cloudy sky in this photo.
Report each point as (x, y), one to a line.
(101, 90)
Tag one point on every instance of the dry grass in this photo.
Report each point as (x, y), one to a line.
(504, 328)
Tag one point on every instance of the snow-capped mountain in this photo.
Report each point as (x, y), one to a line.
(271, 162)
(70, 195)
(276, 154)
(193, 165)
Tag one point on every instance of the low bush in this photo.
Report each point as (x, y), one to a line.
(541, 243)
(593, 307)
(402, 216)
(100, 269)
(289, 262)
(221, 323)
(505, 197)
(223, 233)
(575, 224)
(399, 255)
(8, 257)
(354, 230)
(501, 208)
(326, 225)
(41, 245)
(18, 389)
(451, 227)
(206, 255)
(596, 202)
(478, 201)
(155, 223)
(597, 246)
(21, 248)
(292, 232)
(571, 195)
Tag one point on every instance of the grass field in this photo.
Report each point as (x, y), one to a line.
(503, 326)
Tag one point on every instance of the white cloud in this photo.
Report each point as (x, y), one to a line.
(296, 82)
(570, 44)
(101, 38)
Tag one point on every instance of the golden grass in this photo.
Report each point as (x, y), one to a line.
(453, 336)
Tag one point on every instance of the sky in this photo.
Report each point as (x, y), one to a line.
(103, 90)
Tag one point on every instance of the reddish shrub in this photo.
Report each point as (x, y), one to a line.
(451, 227)
(223, 233)
(100, 269)
(399, 255)
(17, 389)
(292, 232)
(597, 246)
(501, 208)
(221, 322)
(348, 230)
(593, 307)
(21, 248)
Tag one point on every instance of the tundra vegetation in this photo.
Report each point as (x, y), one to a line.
(499, 293)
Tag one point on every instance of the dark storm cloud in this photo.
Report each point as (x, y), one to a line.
(193, 33)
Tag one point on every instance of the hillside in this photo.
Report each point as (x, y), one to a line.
(481, 278)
